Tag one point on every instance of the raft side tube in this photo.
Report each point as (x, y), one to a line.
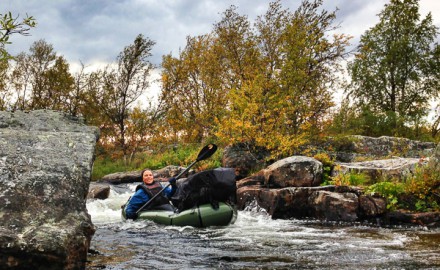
(203, 216)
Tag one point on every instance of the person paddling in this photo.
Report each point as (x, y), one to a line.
(147, 190)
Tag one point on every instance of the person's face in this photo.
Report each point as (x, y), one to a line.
(147, 177)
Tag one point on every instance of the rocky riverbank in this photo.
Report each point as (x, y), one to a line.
(292, 187)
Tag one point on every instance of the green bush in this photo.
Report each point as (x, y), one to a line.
(327, 167)
(390, 190)
(350, 179)
(423, 187)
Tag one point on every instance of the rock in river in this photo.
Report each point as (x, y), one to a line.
(46, 160)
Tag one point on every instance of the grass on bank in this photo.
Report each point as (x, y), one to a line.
(181, 155)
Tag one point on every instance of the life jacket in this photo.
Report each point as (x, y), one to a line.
(151, 190)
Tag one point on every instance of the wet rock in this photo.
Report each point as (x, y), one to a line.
(255, 179)
(122, 177)
(290, 187)
(296, 171)
(99, 191)
(429, 219)
(333, 206)
(333, 203)
(371, 206)
(45, 168)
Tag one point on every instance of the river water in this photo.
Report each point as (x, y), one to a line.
(254, 241)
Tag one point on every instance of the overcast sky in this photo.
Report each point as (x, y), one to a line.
(95, 31)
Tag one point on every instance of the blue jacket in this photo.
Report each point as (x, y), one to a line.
(140, 198)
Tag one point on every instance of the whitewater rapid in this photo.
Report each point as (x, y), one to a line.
(254, 241)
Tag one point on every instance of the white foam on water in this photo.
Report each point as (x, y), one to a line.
(108, 210)
(255, 239)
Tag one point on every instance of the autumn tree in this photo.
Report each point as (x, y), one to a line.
(40, 60)
(435, 126)
(118, 88)
(236, 44)
(10, 25)
(274, 79)
(312, 53)
(196, 85)
(21, 82)
(79, 100)
(28, 76)
(193, 90)
(41, 79)
(395, 71)
(144, 127)
(250, 117)
(287, 100)
(58, 87)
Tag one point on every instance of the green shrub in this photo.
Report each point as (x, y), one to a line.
(390, 190)
(424, 189)
(327, 164)
(350, 179)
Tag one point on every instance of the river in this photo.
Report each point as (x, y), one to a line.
(254, 241)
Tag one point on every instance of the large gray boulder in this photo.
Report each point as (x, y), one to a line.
(290, 188)
(383, 169)
(45, 168)
(382, 147)
(295, 171)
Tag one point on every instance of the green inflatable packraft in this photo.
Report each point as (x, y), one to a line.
(201, 216)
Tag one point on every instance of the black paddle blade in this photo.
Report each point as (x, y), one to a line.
(207, 151)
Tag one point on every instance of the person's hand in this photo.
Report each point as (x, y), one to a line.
(172, 181)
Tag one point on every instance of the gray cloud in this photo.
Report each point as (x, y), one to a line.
(97, 30)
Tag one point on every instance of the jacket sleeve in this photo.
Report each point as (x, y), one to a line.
(136, 202)
(170, 190)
